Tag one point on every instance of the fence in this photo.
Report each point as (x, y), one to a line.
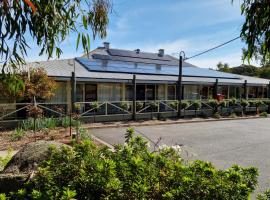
(123, 110)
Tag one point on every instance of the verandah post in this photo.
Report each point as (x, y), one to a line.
(134, 98)
(268, 94)
(215, 92)
(179, 85)
(245, 90)
(73, 91)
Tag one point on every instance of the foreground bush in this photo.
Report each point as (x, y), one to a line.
(133, 172)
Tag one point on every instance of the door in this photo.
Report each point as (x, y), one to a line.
(90, 92)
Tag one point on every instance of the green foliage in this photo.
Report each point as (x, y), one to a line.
(3, 197)
(233, 102)
(266, 102)
(153, 105)
(213, 103)
(49, 23)
(197, 104)
(41, 123)
(131, 171)
(216, 115)
(255, 30)
(223, 104)
(244, 103)
(259, 103)
(5, 160)
(185, 104)
(264, 114)
(65, 122)
(124, 105)
(17, 134)
(129, 134)
(94, 105)
(84, 134)
(139, 106)
(223, 67)
(174, 104)
(264, 196)
(233, 115)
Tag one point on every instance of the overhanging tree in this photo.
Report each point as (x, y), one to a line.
(48, 22)
(256, 29)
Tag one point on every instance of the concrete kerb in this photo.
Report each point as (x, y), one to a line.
(150, 122)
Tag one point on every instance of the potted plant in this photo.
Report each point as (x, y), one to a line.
(153, 105)
(222, 104)
(139, 106)
(124, 106)
(244, 104)
(197, 105)
(214, 104)
(94, 106)
(258, 104)
(184, 105)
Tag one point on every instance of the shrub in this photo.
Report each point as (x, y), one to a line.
(139, 106)
(264, 114)
(124, 105)
(216, 115)
(84, 134)
(232, 102)
(223, 104)
(259, 103)
(133, 172)
(41, 123)
(214, 104)
(174, 105)
(17, 134)
(185, 104)
(153, 105)
(5, 160)
(244, 103)
(264, 196)
(94, 105)
(266, 102)
(233, 115)
(197, 104)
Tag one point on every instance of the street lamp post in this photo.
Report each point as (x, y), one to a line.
(180, 74)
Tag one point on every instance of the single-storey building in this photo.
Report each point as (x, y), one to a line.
(107, 75)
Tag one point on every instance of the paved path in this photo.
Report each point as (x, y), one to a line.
(245, 142)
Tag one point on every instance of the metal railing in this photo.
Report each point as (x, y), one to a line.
(11, 111)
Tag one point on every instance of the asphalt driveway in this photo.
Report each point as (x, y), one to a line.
(243, 142)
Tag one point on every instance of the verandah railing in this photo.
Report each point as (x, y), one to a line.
(114, 108)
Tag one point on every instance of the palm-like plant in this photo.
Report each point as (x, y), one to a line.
(185, 105)
(244, 103)
(197, 105)
(258, 104)
(214, 104)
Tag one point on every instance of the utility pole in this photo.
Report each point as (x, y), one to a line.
(179, 88)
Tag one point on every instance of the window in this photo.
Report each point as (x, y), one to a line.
(171, 92)
(161, 92)
(223, 90)
(204, 92)
(128, 92)
(252, 92)
(109, 92)
(191, 92)
(60, 94)
(79, 92)
(150, 92)
(140, 92)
